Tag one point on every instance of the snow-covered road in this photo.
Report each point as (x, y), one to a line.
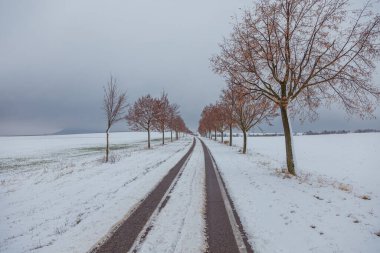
(179, 226)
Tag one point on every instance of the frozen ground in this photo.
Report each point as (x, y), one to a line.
(29, 146)
(350, 158)
(57, 196)
(323, 209)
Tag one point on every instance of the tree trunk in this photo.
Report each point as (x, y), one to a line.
(230, 135)
(215, 134)
(171, 135)
(245, 142)
(108, 146)
(148, 138)
(288, 141)
(163, 137)
(222, 136)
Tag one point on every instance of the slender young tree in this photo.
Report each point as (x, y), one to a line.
(142, 114)
(173, 114)
(179, 126)
(221, 118)
(303, 53)
(208, 120)
(114, 104)
(162, 115)
(249, 110)
(227, 99)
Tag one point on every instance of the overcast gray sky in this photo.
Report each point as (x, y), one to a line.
(55, 57)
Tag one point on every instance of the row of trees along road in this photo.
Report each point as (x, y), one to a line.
(236, 108)
(146, 114)
(300, 54)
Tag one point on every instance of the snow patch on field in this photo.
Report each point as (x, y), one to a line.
(322, 210)
(69, 204)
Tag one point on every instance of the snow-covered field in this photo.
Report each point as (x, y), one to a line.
(57, 196)
(27, 146)
(322, 210)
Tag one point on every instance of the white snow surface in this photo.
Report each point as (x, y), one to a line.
(322, 209)
(57, 196)
(25, 146)
(179, 227)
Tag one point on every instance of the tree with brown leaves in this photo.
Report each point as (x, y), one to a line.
(173, 114)
(208, 120)
(142, 114)
(303, 53)
(249, 110)
(178, 126)
(114, 104)
(227, 99)
(162, 114)
(221, 118)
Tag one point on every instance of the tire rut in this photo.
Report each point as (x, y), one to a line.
(225, 233)
(128, 231)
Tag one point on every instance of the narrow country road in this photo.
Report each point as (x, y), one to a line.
(190, 214)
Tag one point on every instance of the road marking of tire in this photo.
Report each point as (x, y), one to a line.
(114, 228)
(227, 204)
(148, 225)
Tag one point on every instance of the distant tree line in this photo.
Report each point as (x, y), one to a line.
(326, 132)
(342, 132)
(235, 108)
(146, 114)
(367, 131)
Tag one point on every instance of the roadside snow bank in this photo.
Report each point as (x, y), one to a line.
(305, 214)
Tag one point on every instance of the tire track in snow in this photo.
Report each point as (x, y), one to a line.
(132, 228)
(225, 233)
(179, 226)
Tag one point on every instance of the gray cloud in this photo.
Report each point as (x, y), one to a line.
(57, 55)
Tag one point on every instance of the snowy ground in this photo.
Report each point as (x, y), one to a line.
(180, 224)
(322, 210)
(57, 196)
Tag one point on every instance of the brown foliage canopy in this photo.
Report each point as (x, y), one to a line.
(249, 109)
(141, 115)
(162, 113)
(304, 53)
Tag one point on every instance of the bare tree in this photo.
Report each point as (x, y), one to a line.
(162, 115)
(142, 114)
(114, 104)
(300, 54)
